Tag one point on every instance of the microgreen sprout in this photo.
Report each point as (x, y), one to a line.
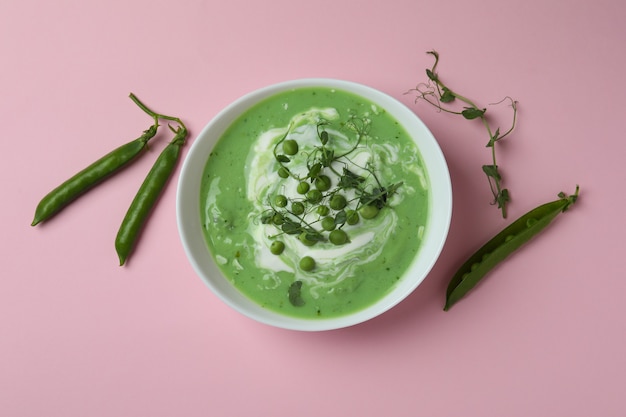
(438, 94)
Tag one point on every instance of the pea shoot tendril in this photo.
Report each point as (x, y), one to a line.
(440, 95)
(154, 115)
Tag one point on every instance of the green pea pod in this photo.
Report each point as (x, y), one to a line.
(89, 177)
(147, 196)
(504, 244)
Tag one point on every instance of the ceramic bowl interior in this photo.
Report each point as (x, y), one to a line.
(189, 218)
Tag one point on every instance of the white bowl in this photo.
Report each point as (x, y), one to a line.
(189, 218)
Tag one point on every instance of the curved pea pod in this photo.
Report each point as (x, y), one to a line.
(504, 244)
(147, 196)
(57, 199)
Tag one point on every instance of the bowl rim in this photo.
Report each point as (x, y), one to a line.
(188, 206)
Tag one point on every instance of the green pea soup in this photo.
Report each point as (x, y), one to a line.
(363, 154)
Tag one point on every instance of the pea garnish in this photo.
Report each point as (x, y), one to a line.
(328, 223)
(290, 147)
(504, 244)
(277, 247)
(337, 202)
(323, 210)
(297, 208)
(314, 196)
(278, 219)
(303, 187)
(307, 263)
(352, 217)
(283, 172)
(338, 237)
(280, 201)
(369, 212)
(323, 183)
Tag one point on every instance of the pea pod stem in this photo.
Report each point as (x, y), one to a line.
(153, 114)
(148, 194)
(504, 244)
(86, 179)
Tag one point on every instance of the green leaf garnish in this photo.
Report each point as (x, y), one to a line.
(431, 75)
(473, 113)
(315, 170)
(295, 294)
(491, 171)
(341, 217)
(494, 138)
(290, 227)
(447, 96)
(350, 180)
(503, 198)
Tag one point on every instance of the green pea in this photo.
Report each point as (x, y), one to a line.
(338, 237)
(352, 217)
(280, 201)
(283, 172)
(297, 208)
(323, 210)
(369, 211)
(303, 187)
(323, 183)
(337, 202)
(314, 196)
(307, 263)
(278, 219)
(290, 147)
(277, 247)
(328, 224)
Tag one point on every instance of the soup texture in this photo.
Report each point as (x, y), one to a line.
(314, 202)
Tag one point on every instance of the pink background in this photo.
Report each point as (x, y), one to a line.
(544, 335)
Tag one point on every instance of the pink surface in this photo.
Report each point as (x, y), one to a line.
(544, 335)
